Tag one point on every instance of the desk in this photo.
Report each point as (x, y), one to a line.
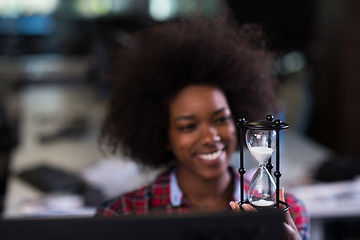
(328, 201)
(337, 199)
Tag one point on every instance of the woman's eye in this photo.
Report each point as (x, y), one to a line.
(222, 119)
(187, 128)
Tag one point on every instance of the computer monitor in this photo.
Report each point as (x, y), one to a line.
(260, 225)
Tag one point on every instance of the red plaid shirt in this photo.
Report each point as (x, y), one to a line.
(165, 195)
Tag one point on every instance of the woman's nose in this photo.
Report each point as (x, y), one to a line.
(209, 135)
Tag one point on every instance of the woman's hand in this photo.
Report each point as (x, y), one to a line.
(291, 231)
(246, 207)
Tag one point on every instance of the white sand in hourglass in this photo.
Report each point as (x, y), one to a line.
(261, 154)
(263, 203)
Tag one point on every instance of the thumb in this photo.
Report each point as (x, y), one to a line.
(281, 194)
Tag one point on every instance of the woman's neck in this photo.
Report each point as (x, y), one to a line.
(206, 194)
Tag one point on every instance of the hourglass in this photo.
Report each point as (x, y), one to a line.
(262, 189)
(261, 138)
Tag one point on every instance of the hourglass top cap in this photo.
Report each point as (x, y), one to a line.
(268, 124)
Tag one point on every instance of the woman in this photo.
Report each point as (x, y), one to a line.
(176, 91)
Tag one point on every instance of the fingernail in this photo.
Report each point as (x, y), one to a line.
(231, 203)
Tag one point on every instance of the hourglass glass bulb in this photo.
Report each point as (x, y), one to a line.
(261, 144)
(262, 189)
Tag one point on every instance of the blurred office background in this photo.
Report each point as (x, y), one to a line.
(55, 57)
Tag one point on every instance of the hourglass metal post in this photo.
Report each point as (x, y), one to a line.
(263, 130)
(277, 173)
(269, 165)
(242, 170)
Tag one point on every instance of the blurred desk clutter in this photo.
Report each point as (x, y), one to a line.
(44, 68)
(335, 191)
(333, 199)
(47, 110)
(327, 200)
(58, 168)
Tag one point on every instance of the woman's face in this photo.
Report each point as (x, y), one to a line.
(202, 132)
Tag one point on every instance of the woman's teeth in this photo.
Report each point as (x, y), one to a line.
(211, 156)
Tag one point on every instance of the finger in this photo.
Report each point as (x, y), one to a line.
(288, 221)
(291, 233)
(282, 194)
(234, 206)
(248, 208)
(244, 207)
(282, 198)
(287, 217)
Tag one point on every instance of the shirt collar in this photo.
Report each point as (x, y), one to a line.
(175, 191)
(176, 194)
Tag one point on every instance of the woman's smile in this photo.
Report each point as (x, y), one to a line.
(210, 156)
